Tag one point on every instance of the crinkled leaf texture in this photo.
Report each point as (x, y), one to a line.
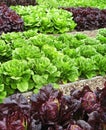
(9, 20)
(14, 113)
(50, 109)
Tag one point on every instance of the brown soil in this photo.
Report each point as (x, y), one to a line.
(66, 88)
(91, 33)
(92, 83)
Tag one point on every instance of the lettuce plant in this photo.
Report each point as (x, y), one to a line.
(46, 20)
(9, 20)
(15, 74)
(50, 109)
(14, 113)
(5, 51)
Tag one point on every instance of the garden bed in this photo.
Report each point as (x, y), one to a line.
(93, 83)
(90, 33)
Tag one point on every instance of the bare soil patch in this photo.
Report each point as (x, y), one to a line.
(92, 83)
(90, 33)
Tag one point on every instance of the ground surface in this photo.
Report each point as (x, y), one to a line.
(91, 33)
(92, 83)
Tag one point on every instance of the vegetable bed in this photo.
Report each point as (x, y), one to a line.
(30, 60)
(50, 109)
(52, 65)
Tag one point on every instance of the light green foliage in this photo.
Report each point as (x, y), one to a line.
(36, 60)
(57, 3)
(15, 74)
(5, 51)
(87, 67)
(46, 20)
(87, 51)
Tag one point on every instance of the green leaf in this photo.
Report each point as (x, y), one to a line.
(22, 86)
(3, 95)
(91, 74)
(13, 85)
(56, 86)
(15, 78)
(31, 84)
(40, 79)
(1, 87)
(51, 69)
(36, 91)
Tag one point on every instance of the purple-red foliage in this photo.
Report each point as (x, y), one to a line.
(50, 109)
(14, 113)
(88, 18)
(18, 2)
(9, 20)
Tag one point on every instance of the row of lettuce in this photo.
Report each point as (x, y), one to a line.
(57, 3)
(72, 3)
(50, 109)
(50, 20)
(30, 60)
(60, 20)
(38, 18)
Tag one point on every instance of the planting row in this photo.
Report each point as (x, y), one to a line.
(30, 60)
(50, 20)
(72, 3)
(55, 21)
(51, 110)
(56, 3)
(19, 2)
(38, 18)
(88, 18)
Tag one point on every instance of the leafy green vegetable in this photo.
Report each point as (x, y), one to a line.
(101, 48)
(91, 41)
(80, 36)
(40, 79)
(41, 39)
(3, 94)
(26, 52)
(30, 60)
(86, 65)
(101, 38)
(72, 53)
(45, 20)
(88, 3)
(11, 36)
(19, 42)
(86, 51)
(5, 51)
(15, 73)
(102, 31)
(100, 62)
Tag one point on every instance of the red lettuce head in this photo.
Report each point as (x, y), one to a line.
(3, 125)
(50, 110)
(89, 101)
(74, 127)
(46, 105)
(16, 120)
(43, 96)
(102, 97)
(79, 125)
(50, 107)
(14, 114)
(95, 120)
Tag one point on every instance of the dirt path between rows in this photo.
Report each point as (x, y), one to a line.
(91, 33)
